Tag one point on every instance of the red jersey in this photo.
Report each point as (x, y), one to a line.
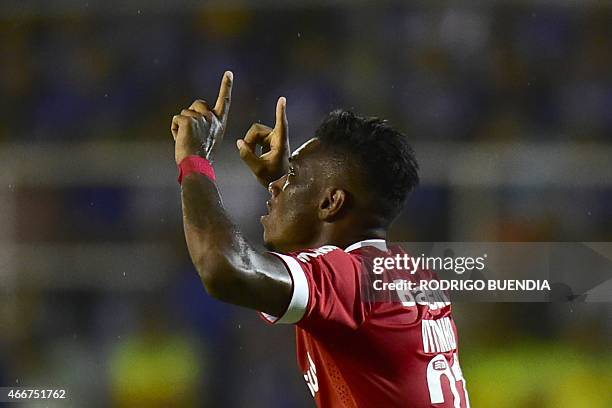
(358, 351)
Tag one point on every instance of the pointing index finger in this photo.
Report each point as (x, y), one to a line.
(224, 99)
(281, 116)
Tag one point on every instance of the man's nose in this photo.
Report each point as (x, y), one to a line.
(276, 186)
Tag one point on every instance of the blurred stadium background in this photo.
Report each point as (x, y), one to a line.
(509, 106)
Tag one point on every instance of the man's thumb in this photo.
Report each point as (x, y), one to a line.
(247, 155)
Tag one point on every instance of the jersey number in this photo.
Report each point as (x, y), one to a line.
(438, 367)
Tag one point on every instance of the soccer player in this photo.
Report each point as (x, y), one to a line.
(331, 204)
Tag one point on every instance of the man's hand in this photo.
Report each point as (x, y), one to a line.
(198, 129)
(274, 160)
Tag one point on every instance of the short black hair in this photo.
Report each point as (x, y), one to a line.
(387, 159)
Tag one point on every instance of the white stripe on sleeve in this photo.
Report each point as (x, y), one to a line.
(300, 293)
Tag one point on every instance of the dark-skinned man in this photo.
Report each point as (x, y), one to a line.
(331, 204)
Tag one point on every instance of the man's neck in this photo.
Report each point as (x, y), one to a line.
(343, 239)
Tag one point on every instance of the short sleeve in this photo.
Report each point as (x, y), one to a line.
(326, 290)
(299, 292)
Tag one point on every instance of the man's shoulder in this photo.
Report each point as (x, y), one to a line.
(367, 248)
(310, 254)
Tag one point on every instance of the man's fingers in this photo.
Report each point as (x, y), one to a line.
(200, 105)
(224, 99)
(281, 126)
(178, 121)
(174, 128)
(281, 114)
(197, 114)
(191, 113)
(248, 156)
(257, 134)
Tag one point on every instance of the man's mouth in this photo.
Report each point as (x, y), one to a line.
(269, 207)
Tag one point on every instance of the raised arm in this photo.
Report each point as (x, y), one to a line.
(230, 268)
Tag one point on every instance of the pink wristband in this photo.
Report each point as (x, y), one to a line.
(195, 164)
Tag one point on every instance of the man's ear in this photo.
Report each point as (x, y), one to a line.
(334, 200)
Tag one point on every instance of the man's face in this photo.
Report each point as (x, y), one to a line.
(292, 221)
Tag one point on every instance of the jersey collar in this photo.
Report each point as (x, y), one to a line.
(377, 243)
